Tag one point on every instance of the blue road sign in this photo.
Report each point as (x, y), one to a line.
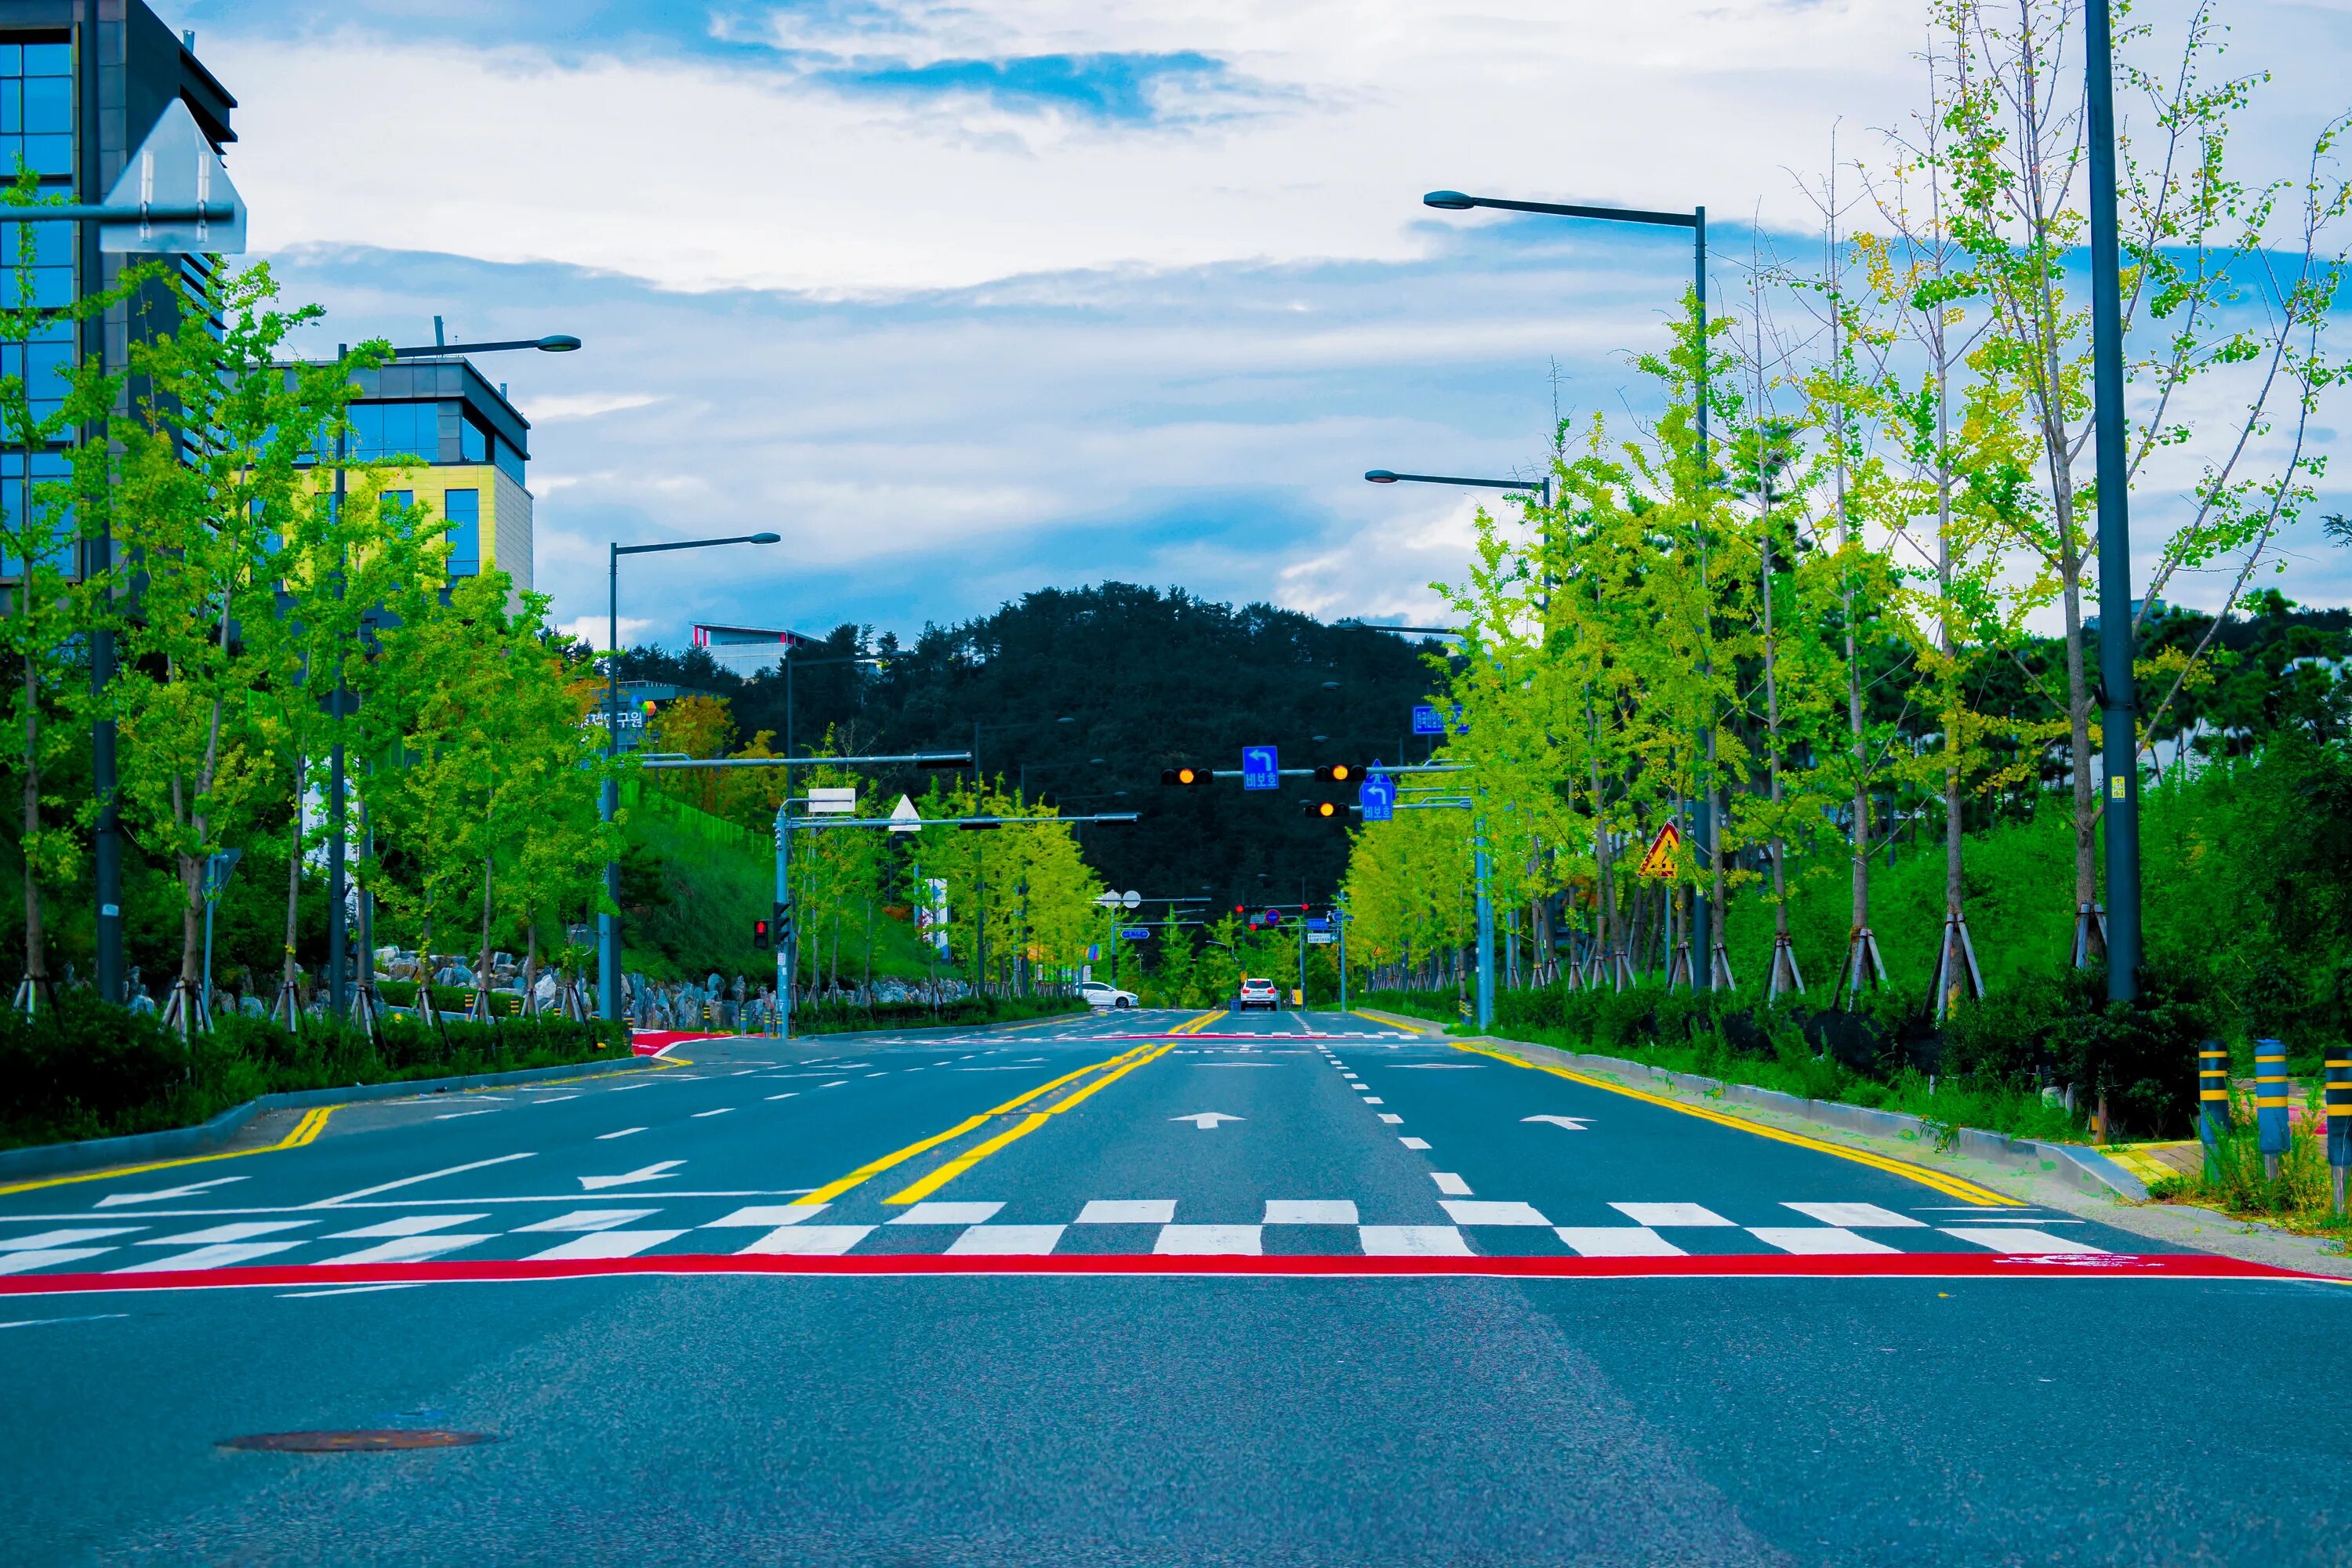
(1426, 722)
(1319, 922)
(1135, 933)
(1260, 769)
(1377, 795)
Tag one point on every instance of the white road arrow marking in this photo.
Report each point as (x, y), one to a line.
(112, 1199)
(1207, 1121)
(1573, 1123)
(642, 1173)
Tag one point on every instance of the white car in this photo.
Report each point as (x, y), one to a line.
(1099, 995)
(1258, 994)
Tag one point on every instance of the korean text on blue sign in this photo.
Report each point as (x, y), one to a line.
(1426, 721)
(1377, 796)
(1260, 769)
(1135, 933)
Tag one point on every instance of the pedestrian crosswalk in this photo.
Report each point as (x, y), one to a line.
(1156, 1227)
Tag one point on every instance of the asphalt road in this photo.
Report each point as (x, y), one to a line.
(1141, 1289)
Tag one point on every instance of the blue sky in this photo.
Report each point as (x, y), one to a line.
(967, 298)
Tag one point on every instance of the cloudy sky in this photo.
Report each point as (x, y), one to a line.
(968, 299)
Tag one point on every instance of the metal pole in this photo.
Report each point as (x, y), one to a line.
(338, 958)
(1485, 938)
(608, 923)
(2119, 722)
(1340, 913)
(1702, 806)
(784, 916)
(98, 553)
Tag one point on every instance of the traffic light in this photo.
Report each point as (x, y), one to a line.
(780, 926)
(760, 935)
(1184, 776)
(1327, 811)
(1339, 773)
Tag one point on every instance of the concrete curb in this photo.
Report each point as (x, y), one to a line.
(2077, 1165)
(139, 1148)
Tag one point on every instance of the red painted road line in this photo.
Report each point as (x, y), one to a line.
(1775, 1265)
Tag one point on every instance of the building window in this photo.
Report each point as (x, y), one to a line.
(36, 108)
(382, 430)
(45, 251)
(400, 501)
(473, 442)
(48, 467)
(463, 508)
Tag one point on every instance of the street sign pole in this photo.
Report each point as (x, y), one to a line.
(784, 919)
(1340, 913)
(1485, 935)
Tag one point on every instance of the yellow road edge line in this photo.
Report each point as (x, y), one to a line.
(1952, 1186)
(1391, 1020)
(833, 1189)
(955, 1167)
(306, 1130)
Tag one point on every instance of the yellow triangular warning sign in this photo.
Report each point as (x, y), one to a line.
(1660, 860)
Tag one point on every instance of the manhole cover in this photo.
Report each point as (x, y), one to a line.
(358, 1442)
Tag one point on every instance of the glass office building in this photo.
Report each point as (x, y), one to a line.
(81, 84)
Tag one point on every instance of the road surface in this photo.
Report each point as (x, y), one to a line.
(1144, 1288)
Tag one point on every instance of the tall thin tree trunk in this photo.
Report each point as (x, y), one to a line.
(482, 968)
(36, 963)
(293, 881)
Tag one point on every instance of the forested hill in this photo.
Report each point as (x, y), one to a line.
(1147, 680)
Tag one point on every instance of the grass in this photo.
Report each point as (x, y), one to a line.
(2235, 1182)
(693, 901)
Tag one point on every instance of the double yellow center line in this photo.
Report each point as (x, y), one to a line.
(1111, 1069)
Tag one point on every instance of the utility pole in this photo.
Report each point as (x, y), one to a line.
(2118, 716)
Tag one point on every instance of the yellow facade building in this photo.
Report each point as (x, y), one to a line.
(471, 445)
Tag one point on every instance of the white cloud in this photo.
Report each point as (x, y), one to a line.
(594, 629)
(586, 404)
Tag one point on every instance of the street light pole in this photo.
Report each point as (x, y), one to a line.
(1694, 220)
(608, 920)
(338, 939)
(2119, 717)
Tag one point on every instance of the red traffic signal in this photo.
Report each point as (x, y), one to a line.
(760, 935)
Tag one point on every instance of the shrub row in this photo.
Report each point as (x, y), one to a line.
(87, 1069)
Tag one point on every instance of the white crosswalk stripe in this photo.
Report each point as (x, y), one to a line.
(810, 1240)
(411, 1248)
(217, 1256)
(2026, 1243)
(608, 1244)
(1815, 1240)
(1006, 1241)
(984, 1228)
(1209, 1240)
(1412, 1241)
(1616, 1241)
